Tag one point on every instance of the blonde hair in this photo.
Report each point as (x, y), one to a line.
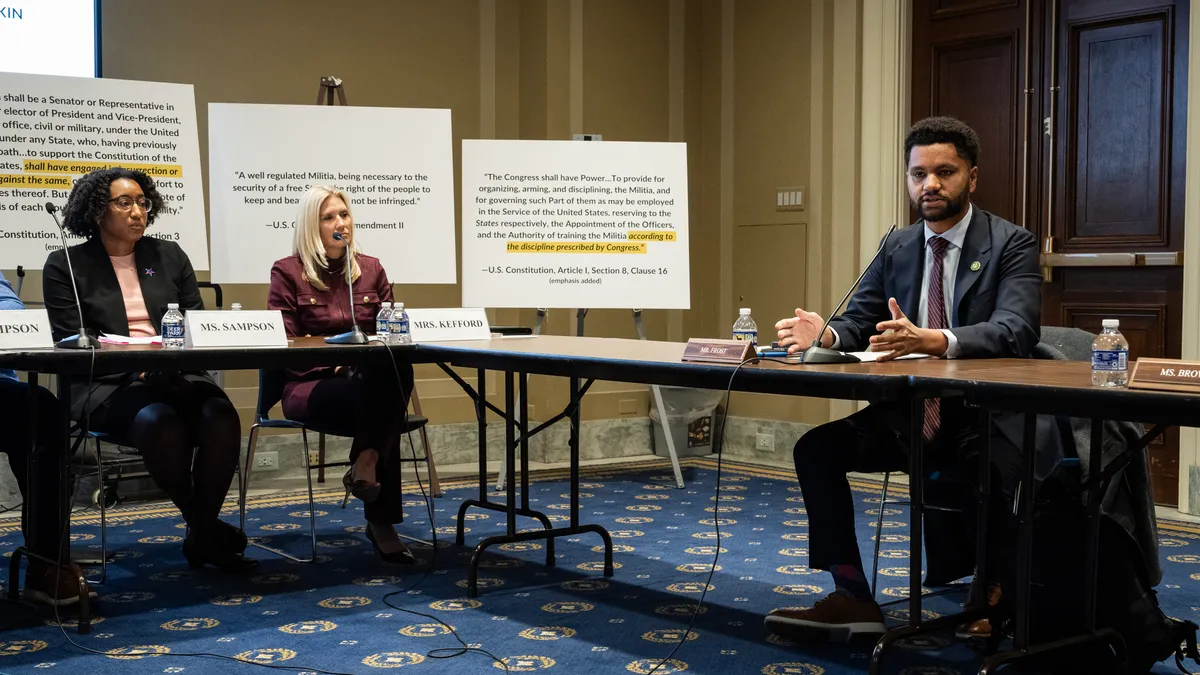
(306, 242)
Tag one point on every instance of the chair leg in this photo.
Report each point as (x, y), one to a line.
(321, 458)
(878, 534)
(435, 488)
(244, 483)
(350, 471)
(103, 516)
(312, 508)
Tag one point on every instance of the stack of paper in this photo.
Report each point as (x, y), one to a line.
(105, 338)
(874, 356)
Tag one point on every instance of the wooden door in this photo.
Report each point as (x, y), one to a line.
(1119, 84)
(1100, 175)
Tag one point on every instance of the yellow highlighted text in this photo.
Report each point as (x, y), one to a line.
(79, 168)
(651, 235)
(28, 180)
(573, 247)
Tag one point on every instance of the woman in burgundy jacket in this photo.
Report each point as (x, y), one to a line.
(309, 287)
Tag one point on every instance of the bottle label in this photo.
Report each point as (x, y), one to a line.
(172, 331)
(1115, 360)
(400, 326)
(381, 326)
(746, 335)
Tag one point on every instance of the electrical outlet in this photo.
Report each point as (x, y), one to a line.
(764, 441)
(314, 456)
(266, 461)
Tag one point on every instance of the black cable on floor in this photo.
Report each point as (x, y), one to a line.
(716, 517)
(444, 652)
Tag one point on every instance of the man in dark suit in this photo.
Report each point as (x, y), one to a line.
(960, 283)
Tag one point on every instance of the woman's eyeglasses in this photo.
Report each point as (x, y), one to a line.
(126, 203)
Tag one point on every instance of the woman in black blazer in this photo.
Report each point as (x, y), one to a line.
(125, 282)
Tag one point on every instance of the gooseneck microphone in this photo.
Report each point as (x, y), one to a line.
(817, 354)
(82, 340)
(354, 336)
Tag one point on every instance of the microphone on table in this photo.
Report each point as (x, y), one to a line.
(354, 336)
(82, 340)
(817, 354)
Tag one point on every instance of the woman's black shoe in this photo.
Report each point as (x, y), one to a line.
(367, 492)
(229, 537)
(210, 549)
(400, 557)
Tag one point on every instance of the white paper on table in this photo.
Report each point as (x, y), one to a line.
(867, 357)
(127, 340)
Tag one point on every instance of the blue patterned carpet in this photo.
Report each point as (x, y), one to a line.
(567, 619)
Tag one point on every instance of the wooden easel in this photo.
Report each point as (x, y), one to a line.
(328, 86)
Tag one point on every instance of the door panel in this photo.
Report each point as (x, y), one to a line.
(1142, 325)
(948, 8)
(1116, 159)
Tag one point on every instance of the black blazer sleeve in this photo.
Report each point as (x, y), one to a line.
(1014, 327)
(60, 299)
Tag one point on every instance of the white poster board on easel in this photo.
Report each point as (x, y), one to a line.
(395, 164)
(56, 129)
(564, 224)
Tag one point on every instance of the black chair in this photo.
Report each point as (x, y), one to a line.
(105, 495)
(270, 393)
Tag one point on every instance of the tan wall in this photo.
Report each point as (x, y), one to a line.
(771, 148)
(750, 86)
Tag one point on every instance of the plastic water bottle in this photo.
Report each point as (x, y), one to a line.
(172, 330)
(745, 328)
(383, 321)
(400, 334)
(1110, 357)
(237, 307)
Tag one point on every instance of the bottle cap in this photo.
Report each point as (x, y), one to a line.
(1112, 323)
(172, 305)
(236, 306)
(399, 305)
(744, 310)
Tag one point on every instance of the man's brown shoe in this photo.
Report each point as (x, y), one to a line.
(53, 585)
(837, 618)
(979, 629)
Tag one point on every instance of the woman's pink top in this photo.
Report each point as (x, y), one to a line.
(131, 291)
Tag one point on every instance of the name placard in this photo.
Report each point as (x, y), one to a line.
(716, 351)
(1166, 374)
(442, 325)
(255, 328)
(25, 329)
